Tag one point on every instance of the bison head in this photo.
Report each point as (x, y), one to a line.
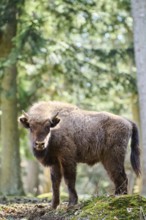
(39, 129)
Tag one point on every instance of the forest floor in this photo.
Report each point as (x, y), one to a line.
(130, 207)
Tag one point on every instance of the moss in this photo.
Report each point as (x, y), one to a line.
(122, 207)
(110, 207)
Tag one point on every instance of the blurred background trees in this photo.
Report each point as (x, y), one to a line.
(78, 51)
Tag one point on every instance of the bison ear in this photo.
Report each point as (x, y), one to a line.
(55, 121)
(24, 121)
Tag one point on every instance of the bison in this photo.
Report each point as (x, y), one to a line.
(63, 135)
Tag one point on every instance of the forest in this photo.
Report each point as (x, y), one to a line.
(87, 53)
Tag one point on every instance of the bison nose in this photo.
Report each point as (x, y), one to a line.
(39, 145)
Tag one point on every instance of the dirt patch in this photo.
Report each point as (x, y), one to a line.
(27, 209)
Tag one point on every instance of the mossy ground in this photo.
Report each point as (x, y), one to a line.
(121, 207)
(130, 207)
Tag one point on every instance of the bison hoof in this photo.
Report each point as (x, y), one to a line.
(72, 203)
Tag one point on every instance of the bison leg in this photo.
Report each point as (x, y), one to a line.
(121, 183)
(115, 169)
(56, 180)
(69, 172)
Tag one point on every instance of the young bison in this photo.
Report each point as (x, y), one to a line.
(63, 135)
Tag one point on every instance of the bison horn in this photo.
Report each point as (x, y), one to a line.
(25, 114)
(54, 116)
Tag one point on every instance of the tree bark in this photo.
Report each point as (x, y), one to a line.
(139, 24)
(10, 182)
(32, 178)
(46, 184)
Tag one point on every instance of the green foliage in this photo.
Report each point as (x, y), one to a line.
(86, 59)
(7, 9)
(82, 48)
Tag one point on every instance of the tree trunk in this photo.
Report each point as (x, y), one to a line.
(10, 182)
(139, 19)
(46, 184)
(32, 178)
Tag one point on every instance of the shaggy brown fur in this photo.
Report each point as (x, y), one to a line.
(64, 135)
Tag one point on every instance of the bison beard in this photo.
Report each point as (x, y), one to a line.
(63, 135)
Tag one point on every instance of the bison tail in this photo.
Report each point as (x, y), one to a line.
(135, 150)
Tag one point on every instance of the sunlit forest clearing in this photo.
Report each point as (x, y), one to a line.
(90, 54)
